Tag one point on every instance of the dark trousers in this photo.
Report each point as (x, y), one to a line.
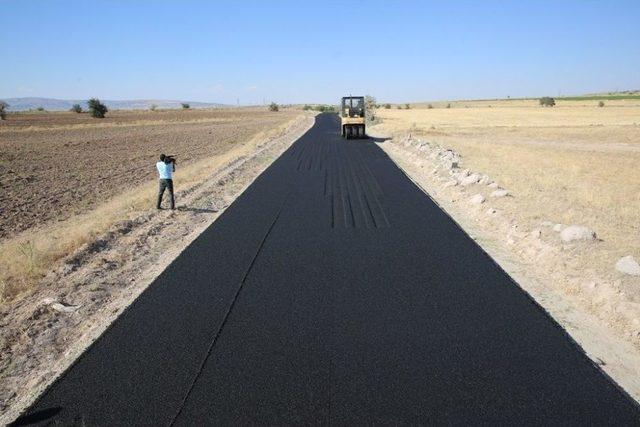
(168, 185)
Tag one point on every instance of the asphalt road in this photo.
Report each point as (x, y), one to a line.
(333, 291)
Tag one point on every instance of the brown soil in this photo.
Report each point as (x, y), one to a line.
(55, 165)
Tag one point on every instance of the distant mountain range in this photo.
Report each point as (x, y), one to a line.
(50, 104)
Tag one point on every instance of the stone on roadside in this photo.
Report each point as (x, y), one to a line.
(484, 180)
(558, 228)
(500, 193)
(536, 234)
(577, 232)
(628, 265)
(493, 185)
(547, 223)
(477, 199)
(451, 183)
(491, 211)
(470, 179)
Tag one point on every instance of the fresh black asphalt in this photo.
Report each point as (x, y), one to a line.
(333, 291)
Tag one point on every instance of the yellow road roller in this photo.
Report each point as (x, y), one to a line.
(352, 116)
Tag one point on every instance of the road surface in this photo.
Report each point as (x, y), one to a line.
(333, 291)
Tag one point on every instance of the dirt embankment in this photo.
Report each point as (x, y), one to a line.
(56, 165)
(43, 331)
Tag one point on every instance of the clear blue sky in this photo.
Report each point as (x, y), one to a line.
(296, 51)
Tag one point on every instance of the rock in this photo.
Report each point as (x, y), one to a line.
(451, 183)
(58, 306)
(477, 199)
(547, 223)
(628, 265)
(558, 228)
(492, 185)
(484, 180)
(500, 193)
(536, 234)
(491, 211)
(577, 232)
(471, 179)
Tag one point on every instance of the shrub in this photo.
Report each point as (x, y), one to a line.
(3, 110)
(546, 101)
(96, 108)
(429, 106)
(273, 107)
(399, 107)
(600, 103)
(448, 105)
(407, 107)
(370, 108)
(153, 107)
(387, 106)
(40, 109)
(306, 107)
(185, 106)
(76, 108)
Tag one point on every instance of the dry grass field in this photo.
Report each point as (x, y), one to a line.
(574, 163)
(66, 177)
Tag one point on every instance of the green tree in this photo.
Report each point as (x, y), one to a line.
(306, 107)
(601, 104)
(407, 106)
(370, 108)
(96, 108)
(76, 108)
(3, 110)
(429, 106)
(387, 106)
(185, 106)
(273, 107)
(547, 101)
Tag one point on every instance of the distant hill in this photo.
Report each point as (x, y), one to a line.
(50, 104)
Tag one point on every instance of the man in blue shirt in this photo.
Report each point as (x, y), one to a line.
(166, 166)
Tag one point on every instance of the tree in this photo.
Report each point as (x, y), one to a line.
(3, 110)
(546, 101)
(387, 106)
(273, 107)
(429, 106)
(185, 106)
(40, 109)
(600, 104)
(448, 106)
(76, 108)
(97, 109)
(407, 106)
(153, 107)
(370, 108)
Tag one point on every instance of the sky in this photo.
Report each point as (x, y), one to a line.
(252, 51)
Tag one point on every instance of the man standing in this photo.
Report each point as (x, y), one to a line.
(166, 166)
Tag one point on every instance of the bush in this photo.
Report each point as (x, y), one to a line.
(600, 103)
(76, 108)
(387, 106)
(40, 109)
(546, 101)
(185, 106)
(153, 107)
(3, 110)
(273, 107)
(399, 107)
(96, 108)
(448, 106)
(407, 107)
(306, 107)
(429, 106)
